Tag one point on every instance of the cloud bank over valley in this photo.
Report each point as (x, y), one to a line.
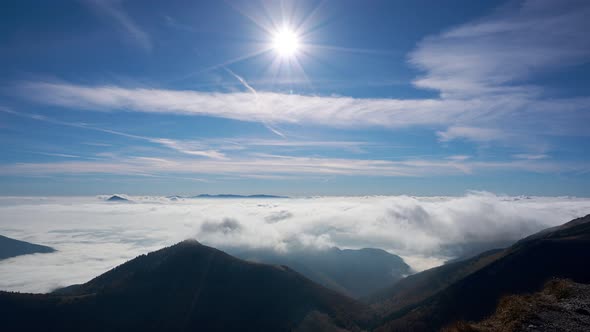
(92, 235)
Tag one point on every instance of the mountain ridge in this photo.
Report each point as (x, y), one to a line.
(12, 248)
(184, 287)
(353, 272)
(521, 268)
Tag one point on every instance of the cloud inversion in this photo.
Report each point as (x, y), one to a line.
(92, 235)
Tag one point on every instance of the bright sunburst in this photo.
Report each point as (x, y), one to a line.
(286, 42)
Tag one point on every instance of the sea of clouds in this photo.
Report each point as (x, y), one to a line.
(92, 235)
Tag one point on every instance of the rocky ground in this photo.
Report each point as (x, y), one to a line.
(562, 305)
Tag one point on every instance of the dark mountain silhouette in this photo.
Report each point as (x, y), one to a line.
(237, 196)
(470, 290)
(356, 273)
(186, 287)
(12, 248)
(116, 198)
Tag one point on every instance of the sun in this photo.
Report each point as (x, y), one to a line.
(286, 43)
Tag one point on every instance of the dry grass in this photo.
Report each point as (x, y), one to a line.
(515, 310)
(459, 326)
(559, 288)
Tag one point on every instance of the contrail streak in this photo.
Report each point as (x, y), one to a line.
(251, 89)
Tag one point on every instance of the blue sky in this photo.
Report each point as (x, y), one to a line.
(391, 97)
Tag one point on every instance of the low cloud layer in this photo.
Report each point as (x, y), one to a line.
(92, 235)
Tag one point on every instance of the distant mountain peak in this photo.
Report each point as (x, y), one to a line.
(189, 242)
(185, 287)
(117, 198)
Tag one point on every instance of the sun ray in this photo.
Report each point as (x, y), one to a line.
(224, 64)
(352, 50)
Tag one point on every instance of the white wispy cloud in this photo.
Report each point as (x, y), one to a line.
(530, 156)
(482, 69)
(266, 107)
(92, 236)
(203, 147)
(471, 133)
(261, 165)
(270, 107)
(257, 100)
(113, 10)
(495, 54)
(277, 165)
(189, 147)
(54, 154)
(175, 24)
(459, 157)
(296, 143)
